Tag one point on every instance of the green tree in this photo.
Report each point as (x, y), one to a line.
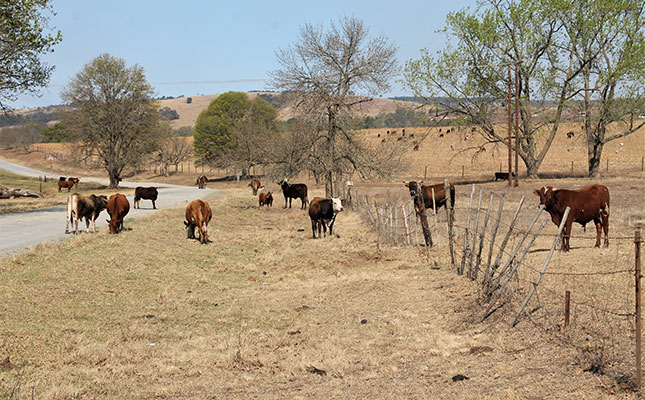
(23, 29)
(233, 131)
(114, 113)
(57, 133)
(327, 73)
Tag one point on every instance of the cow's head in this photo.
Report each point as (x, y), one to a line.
(414, 187)
(283, 183)
(114, 228)
(546, 195)
(336, 205)
(101, 202)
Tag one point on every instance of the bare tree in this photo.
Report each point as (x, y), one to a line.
(172, 151)
(327, 73)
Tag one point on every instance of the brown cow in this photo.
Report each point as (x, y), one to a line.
(255, 185)
(591, 203)
(266, 199)
(439, 194)
(118, 207)
(198, 215)
(69, 183)
(146, 193)
(322, 213)
(88, 207)
(201, 182)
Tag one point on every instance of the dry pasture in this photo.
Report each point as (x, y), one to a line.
(264, 311)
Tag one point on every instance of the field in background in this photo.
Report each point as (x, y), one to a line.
(263, 311)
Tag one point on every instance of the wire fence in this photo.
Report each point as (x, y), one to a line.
(591, 300)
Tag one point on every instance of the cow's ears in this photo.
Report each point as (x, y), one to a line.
(406, 183)
(536, 192)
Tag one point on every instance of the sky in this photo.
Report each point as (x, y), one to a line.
(205, 47)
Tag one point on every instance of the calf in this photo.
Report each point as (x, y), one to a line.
(88, 207)
(118, 207)
(146, 193)
(323, 214)
(198, 215)
(591, 203)
(266, 199)
(503, 176)
(69, 183)
(201, 182)
(294, 191)
(255, 185)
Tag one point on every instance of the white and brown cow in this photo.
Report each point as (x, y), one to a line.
(88, 207)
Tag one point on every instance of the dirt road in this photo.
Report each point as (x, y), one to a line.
(22, 230)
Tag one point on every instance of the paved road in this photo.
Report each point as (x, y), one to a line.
(20, 231)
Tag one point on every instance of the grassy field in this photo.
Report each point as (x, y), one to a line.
(263, 311)
(53, 198)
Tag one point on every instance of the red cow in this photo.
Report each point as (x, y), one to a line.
(198, 215)
(118, 207)
(439, 194)
(201, 182)
(255, 185)
(69, 183)
(591, 203)
(266, 199)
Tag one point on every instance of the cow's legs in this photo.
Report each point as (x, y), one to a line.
(290, 199)
(191, 231)
(598, 224)
(604, 214)
(567, 235)
(154, 207)
(87, 225)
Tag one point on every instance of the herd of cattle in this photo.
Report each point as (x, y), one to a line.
(591, 203)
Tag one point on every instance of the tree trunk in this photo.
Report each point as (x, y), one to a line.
(115, 178)
(594, 153)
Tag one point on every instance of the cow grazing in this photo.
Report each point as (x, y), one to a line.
(503, 176)
(69, 183)
(323, 214)
(570, 134)
(88, 207)
(266, 199)
(118, 207)
(146, 193)
(201, 182)
(294, 191)
(198, 215)
(591, 203)
(255, 185)
(439, 194)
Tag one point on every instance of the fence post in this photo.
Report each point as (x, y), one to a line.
(637, 278)
(475, 232)
(481, 237)
(544, 267)
(466, 251)
(405, 225)
(449, 213)
(421, 207)
(425, 172)
(567, 308)
(434, 210)
(498, 259)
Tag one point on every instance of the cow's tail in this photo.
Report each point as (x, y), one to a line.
(72, 204)
(452, 196)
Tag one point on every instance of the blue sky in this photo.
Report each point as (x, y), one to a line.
(203, 47)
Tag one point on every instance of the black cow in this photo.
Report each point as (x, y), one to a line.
(503, 176)
(88, 207)
(294, 191)
(146, 193)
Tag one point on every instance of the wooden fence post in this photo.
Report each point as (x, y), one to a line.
(567, 308)
(405, 225)
(449, 214)
(492, 239)
(465, 253)
(481, 236)
(419, 204)
(544, 267)
(498, 259)
(434, 210)
(475, 232)
(637, 285)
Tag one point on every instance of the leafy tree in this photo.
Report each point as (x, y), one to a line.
(233, 130)
(565, 51)
(23, 26)
(326, 72)
(114, 113)
(57, 133)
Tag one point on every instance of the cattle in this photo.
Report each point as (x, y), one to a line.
(570, 134)
(146, 193)
(198, 215)
(255, 185)
(69, 183)
(294, 191)
(503, 176)
(266, 199)
(201, 182)
(323, 214)
(88, 207)
(439, 194)
(118, 207)
(591, 203)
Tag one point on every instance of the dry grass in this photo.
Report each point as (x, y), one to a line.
(260, 312)
(53, 198)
